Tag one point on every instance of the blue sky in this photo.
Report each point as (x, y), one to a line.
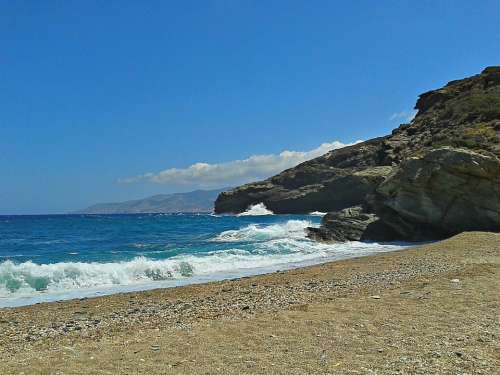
(95, 95)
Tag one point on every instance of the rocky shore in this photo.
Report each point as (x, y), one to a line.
(430, 309)
(429, 179)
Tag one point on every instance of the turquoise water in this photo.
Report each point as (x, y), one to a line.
(45, 258)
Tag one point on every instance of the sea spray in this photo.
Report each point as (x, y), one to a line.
(28, 277)
(279, 239)
(254, 232)
(118, 253)
(317, 213)
(258, 209)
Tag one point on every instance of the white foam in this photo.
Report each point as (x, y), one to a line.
(258, 209)
(28, 278)
(255, 249)
(255, 232)
(317, 213)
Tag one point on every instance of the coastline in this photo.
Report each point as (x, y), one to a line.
(397, 311)
(102, 291)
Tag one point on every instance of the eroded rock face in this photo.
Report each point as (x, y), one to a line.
(463, 114)
(437, 195)
(444, 192)
(336, 180)
(430, 179)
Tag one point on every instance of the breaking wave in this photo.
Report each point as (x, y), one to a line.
(260, 248)
(317, 213)
(255, 232)
(258, 209)
(28, 277)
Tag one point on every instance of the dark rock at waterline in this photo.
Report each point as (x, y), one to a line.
(429, 179)
(441, 193)
(351, 224)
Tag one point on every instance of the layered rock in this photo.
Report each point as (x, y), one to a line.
(431, 178)
(336, 180)
(444, 192)
(437, 195)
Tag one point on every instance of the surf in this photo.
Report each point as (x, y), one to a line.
(143, 252)
(258, 209)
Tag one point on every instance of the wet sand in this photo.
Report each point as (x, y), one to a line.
(432, 309)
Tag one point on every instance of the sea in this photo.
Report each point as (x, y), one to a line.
(56, 257)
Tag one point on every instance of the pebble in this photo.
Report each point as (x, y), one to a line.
(148, 312)
(455, 280)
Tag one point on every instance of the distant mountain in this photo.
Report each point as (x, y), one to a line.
(194, 201)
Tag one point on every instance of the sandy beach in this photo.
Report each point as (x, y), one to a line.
(431, 309)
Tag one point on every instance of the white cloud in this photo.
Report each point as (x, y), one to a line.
(235, 172)
(403, 116)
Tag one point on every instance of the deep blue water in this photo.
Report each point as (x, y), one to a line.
(112, 238)
(65, 256)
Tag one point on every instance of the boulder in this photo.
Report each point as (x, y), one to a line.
(351, 224)
(441, 193)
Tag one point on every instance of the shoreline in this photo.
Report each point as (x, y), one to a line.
(127, 332)
(108, 290)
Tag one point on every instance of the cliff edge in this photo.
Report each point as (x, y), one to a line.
(432, 178)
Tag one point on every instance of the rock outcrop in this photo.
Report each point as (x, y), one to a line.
(444, 192)
(336, 180)
(437, 195)
(352, 224)
(431, 178)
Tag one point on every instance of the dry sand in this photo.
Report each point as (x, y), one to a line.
(432, 309)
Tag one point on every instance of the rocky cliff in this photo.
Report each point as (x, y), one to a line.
(338, 179)
(441, 193)
(431, 178)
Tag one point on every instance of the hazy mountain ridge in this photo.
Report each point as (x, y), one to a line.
(193, 201)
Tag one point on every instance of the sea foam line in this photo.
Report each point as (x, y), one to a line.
(254, 247)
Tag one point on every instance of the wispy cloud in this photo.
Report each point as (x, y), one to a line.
(403, 116)
(235, 172)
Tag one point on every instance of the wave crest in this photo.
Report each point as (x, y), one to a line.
(258, 209)
(29, 277)
(254, 232)
(317, 213)
(253, 249)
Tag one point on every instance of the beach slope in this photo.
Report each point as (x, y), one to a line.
(429, 309)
